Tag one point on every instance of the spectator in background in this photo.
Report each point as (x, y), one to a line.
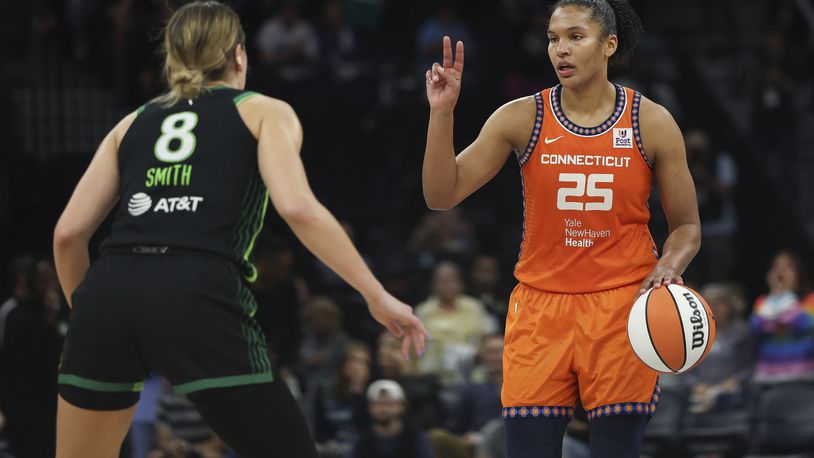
(446, 21)
(715, 176)
(447, 234)
(484, 280)
(457, 323)
(288, 45)
(421, 390)
(341, 408)
(181, 431)
(480, 397)
(5, 448)
(339, 48)
(392, 433)
(477, 405)
(493, 440)
(774, 119)
(783, 324)
(142, 434)
(321, 349)
(30, 347)
(357, 322)
(721, 382)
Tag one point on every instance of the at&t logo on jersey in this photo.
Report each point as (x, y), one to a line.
(140, 203)
(623, 137)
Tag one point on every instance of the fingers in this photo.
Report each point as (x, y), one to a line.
(420, 335)
(395, 329)
(405, 346)
(419, 343)
(447, 52)
(645, 285)
(659, 279)
(459, 57)
(416, 323)
(437, 73)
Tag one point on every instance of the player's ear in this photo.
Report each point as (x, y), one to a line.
(611, 44)
(240, 56)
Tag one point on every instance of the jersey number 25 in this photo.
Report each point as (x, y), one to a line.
(578, 190)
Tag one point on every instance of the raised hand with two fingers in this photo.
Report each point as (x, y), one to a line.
(444, 81)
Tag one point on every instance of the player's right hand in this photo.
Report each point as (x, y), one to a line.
(444, 82)
(399, 319)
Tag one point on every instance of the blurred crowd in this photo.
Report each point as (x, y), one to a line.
(352, 70)
(363, 399)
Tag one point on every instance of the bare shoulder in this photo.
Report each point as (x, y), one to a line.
(266, 103)
(659, 131)
(259, 109)
(654, 115)
(117, 134)
(515, 119)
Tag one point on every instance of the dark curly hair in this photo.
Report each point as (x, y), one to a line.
(616, 17)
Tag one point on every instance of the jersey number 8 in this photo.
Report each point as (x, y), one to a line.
(176, 127)
(580, 179)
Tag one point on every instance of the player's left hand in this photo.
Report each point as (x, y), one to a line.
(399, 319)
(661, 275)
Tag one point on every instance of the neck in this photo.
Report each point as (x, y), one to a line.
(589, 98)
(391, 429)
(231, 81)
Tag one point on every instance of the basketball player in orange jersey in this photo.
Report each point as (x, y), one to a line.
(588, 151)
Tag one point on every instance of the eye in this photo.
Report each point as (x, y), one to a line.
(552, 39)
(576, 37)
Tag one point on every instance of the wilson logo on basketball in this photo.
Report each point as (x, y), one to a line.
(671, 328)
(697, 321)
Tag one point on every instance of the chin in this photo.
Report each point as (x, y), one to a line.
(569, 82)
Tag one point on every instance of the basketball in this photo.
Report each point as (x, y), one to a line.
(671, 329)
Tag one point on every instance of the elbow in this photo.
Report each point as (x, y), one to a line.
(438, 206)
(437, 203)
(298, 212)
(66, 236)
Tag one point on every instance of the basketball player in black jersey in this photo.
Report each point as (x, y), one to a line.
(169, 293)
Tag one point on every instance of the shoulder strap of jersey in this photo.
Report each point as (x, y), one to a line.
(523, 157)
(637, 133)
(243, 96)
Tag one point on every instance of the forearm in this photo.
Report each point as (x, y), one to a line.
(439, 173)
(321, 233)
(72, 261)
(681, 247)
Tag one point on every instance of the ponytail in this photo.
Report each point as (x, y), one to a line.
(200, 40)
(628, 31)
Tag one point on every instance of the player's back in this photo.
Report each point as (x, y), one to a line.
(189, 179)
(585, 194)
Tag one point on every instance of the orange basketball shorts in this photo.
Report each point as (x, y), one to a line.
(560, 347)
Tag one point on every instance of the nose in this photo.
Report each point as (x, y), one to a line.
(562, 48)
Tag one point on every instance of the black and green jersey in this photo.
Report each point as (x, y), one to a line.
(189, 179)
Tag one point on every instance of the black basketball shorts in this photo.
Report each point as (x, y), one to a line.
(187, 317)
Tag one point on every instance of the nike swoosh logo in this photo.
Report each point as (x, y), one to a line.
(552, 140)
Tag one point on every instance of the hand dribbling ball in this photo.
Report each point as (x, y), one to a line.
(671, 328)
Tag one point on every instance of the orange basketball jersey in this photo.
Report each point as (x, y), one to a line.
(585, 194)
